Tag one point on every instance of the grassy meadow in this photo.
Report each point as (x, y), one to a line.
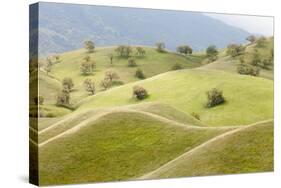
(113, 135)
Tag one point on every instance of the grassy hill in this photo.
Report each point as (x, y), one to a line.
(225, 155)
(112, 136)
(229, 64)
(248, 99)
(152, 63)
(115, 147)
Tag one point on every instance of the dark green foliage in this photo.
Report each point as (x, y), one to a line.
(139, 74)
(39, 100)
(185, 49)
(212, 52)
(132, 62)
(235, 50)
(68, 83)
(251, 38)
(139, 92)
(124, 51)
(196, 115)
(140, 51)
(90, 86)
(177, 66)
(90, 46)
(247, 69)
(214, 97)
(160, 46)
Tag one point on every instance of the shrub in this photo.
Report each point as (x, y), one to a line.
(215, 97)
(139, 92)
(132, 63)
(246, 69)
(68, 83)
(196, 115)
(212, 51)
(105, 83)
(177, 66)
(139, 74)
(160, 46)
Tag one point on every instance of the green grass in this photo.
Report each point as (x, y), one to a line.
(247, 151)
(116, 148)
(248, 99)
(229, 64)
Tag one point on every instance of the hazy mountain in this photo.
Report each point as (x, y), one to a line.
(64, 27)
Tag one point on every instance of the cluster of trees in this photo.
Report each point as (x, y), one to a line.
(124, 51)
(127, 51)
(235, 50)
(184, 49)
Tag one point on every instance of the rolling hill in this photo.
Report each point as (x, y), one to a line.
(225, 155)
(112, 136)
(115, 147)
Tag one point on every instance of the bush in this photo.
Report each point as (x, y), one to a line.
(197, 116)
(235, 50)
(132, 63)
(139, 74)
(215, 97)
(177, 67)
(68, 83)
(160, 47)
(247, 69)
(139, 92)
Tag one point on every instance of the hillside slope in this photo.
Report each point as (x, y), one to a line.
(248, 99)
(244, 151)
(115, 147)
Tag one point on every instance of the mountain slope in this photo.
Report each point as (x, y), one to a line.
(64, 27)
